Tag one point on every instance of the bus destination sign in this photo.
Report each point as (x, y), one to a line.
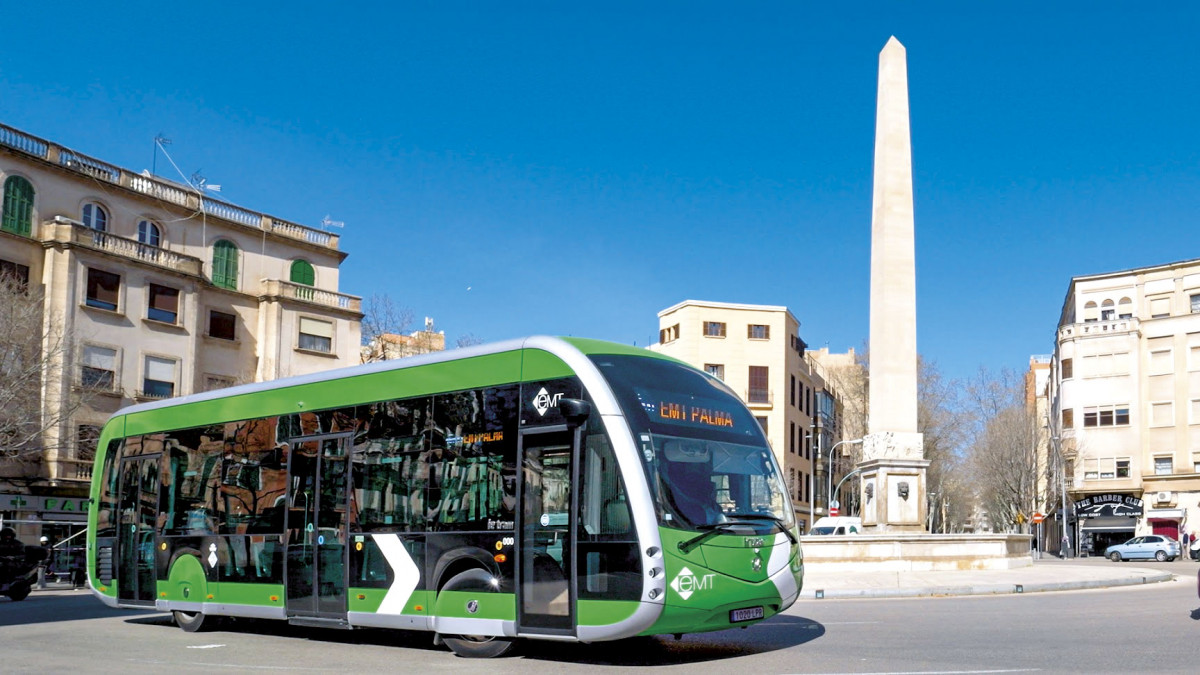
(688, 413)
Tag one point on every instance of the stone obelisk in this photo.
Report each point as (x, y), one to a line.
(893, 466)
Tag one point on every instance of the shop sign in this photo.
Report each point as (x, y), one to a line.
(43, 505)
(1108, 505)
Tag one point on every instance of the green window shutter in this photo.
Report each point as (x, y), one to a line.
(303, 273)
(225, 264)
(18, 206)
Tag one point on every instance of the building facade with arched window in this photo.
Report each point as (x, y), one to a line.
(162, 291)
(1124, 404)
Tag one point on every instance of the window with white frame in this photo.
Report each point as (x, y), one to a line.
(1106, 416)
(1105, 468)
(717, 370)
(1162, 413)
(1195, 303)
(149, 233)
(1123, 467)
(1108, 310)
(159, 379)
(316, 335)
(99, 371)
(1193, 356)
(714, 329)
(1125, 309)
(1194, 411)
(1163, 466)
(95, 217)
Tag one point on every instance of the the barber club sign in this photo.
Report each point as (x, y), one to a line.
(1096, 506)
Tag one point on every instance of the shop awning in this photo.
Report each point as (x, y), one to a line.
(1108, 524)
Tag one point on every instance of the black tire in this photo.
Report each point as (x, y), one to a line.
(19, 590)
(478, 646)
(1160, 556)
(475, 646)
(193, 622)
(1114, 556)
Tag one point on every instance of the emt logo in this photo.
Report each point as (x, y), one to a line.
(687, 583)
(545, 401)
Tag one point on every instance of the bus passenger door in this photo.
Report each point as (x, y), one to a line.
(136, 577)
(316, 529)
(546, 576)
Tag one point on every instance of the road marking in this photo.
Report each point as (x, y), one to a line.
(950, 672)
(231, 666)
(204, 646)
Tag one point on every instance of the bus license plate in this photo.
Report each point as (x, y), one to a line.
(747, 614)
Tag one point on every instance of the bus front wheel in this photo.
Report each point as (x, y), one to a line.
(193, 622)
(475, 646)
(478, 646)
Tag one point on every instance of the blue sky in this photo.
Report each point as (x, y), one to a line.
(579, 167)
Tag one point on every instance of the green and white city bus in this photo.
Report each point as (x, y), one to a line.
(549, 488)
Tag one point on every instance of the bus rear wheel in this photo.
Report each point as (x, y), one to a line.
(193, 622)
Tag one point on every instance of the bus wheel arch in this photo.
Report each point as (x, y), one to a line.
(185, 571)
(475, 578)
(455, 562)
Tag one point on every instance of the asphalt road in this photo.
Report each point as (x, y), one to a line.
(1133, 629)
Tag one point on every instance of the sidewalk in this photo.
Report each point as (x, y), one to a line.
(1043, 575)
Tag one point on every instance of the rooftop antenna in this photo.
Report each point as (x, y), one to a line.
(159, 141)
(201, 183)
(327, 222)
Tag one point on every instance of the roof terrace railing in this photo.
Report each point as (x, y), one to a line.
(159, 188)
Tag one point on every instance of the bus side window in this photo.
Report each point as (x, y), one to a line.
(389, 467)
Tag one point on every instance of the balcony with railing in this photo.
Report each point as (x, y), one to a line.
(278, 288)
(158, 188)
(1094, 328)
(77, 234)
(759, 397)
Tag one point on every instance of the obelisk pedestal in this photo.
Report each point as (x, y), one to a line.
(893, 466)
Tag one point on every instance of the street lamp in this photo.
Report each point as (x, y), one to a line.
(1062, 474)
(829, 469)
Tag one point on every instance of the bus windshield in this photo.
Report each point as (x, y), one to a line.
(706, 458)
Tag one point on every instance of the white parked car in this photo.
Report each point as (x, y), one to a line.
(837, 525)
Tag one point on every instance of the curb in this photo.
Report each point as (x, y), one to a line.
(983, 589)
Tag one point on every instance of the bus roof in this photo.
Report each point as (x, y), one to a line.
(563, 348)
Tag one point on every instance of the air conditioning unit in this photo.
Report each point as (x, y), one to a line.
(1161, 497)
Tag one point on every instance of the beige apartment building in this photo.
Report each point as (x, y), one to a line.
(1125, 402)
(160, 290)
(758, 352)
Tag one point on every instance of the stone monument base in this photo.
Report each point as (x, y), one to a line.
(892, 494)
(900, 552)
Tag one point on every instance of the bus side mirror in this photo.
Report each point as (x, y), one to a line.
(574, 410)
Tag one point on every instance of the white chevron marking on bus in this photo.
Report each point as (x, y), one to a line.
(406, 573)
